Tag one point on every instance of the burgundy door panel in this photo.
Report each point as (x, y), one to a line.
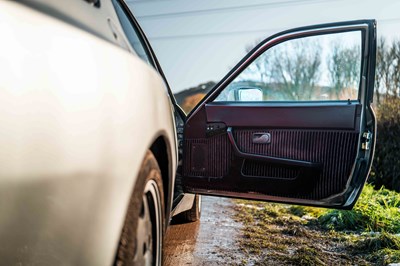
(228, 172)
(337, 116)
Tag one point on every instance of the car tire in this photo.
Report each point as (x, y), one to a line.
(142, 236)
(193, 214)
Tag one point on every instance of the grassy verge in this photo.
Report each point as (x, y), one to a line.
(294, 235)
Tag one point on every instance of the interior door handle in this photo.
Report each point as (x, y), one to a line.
(265, 158)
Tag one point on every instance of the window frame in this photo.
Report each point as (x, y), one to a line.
(275, 101)
(246, 63)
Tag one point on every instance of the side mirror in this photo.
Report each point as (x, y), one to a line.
(241, 92)
(249, 95)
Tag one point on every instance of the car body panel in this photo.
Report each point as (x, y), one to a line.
(78, 115)
(82, 15)
(79, 110)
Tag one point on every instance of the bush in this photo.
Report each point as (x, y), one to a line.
(191, 101)
(386, 166)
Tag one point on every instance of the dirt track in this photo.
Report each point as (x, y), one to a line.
(212, 241)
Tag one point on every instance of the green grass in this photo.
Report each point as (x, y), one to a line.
(385, 256)
(306, 256)
(376, 210)
(298, 235)
(381, 249)
(378, 242)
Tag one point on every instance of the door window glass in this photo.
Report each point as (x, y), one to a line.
(315, 68)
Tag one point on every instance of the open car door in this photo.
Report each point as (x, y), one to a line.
(292, 122)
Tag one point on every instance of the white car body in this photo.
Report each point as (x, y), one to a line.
(85, 122)
(71, 142)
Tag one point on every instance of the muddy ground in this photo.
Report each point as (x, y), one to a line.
(236, 232)
(212, 241)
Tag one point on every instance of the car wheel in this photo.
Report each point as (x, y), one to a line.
(192, 214)
(143, 232)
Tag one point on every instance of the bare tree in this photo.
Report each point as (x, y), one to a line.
(344, 68)
(297, 69)
(387, 70)
(292, 68)
(394, 55)
(380, 68)
(261, 67)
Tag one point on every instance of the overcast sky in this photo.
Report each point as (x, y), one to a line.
(201, 40)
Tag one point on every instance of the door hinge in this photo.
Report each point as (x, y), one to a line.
(366, 140)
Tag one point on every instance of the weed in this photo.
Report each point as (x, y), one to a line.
(384, 256)
(307, 256)
(376, 210)
(377, 242)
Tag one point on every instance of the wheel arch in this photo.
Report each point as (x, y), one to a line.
(162, 151)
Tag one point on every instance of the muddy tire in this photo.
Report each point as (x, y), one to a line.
(193, 214)
(142, 236)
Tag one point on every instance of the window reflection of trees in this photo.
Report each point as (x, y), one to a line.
(325, 67)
